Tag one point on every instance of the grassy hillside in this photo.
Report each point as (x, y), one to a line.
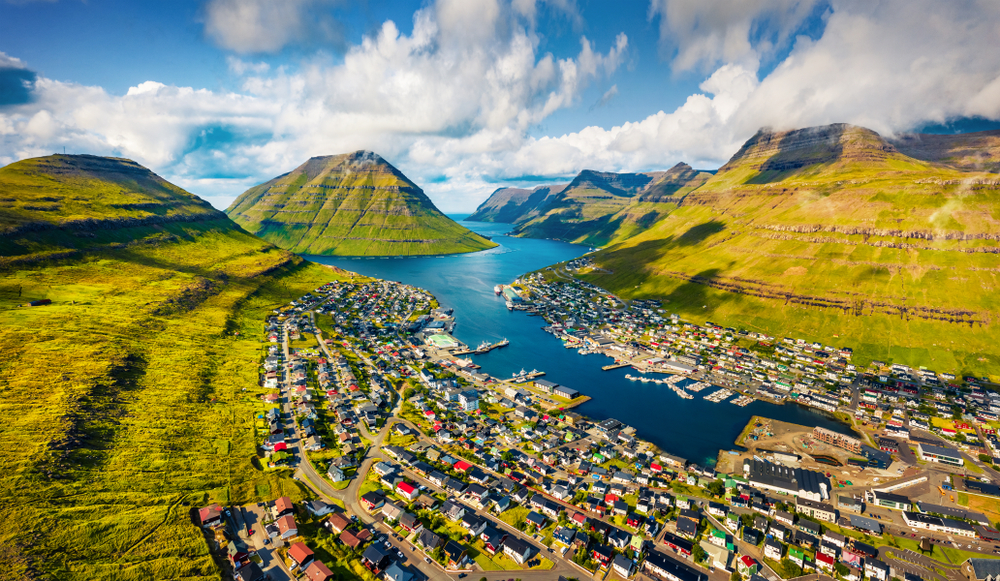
(599, 208)
(831, 234)
(129, 400)
(354, 204)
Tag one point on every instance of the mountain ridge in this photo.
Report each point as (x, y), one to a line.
(354, 204)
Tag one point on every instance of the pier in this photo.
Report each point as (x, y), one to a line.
(616, 365)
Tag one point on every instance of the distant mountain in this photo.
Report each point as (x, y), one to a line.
(595, 207)
(508, 205)
(351, 204)
(835, 234)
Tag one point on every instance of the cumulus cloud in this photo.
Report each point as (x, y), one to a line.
(463, 93)
(708, 32)
(263, 26)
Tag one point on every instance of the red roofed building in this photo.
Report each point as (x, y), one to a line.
(283, 506)
(656, 467)
(407, 490)
(462, 466)
(211, 516)
(824, 561)
(318, 572)
(300, 555)
(287, 527)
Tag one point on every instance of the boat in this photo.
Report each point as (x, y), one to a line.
(498, 289)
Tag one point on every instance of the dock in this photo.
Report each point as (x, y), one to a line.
(486, 348)
(616, 365)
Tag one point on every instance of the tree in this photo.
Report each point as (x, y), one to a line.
(985, 458)
(716, 487)
(699, 554)
(790, 569)
(735, 577)
(841, 569)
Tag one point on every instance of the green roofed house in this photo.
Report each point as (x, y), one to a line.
(733, 521)
(796, 556)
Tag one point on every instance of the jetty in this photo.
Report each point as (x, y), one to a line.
(616, 365)
(485, 347)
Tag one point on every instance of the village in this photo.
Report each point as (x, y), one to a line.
(419, 466)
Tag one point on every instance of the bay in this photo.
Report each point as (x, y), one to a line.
(693, 428)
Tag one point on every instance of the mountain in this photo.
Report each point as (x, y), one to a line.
(832, 234)
(594, 208)
(353, 204)
(508, 205)
(979, 151)
(129, 398)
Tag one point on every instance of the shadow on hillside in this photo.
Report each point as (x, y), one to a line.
(697, 234)
(811, 146)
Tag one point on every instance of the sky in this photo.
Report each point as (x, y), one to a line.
(466, 96)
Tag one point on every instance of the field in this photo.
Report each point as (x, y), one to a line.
(129, 401)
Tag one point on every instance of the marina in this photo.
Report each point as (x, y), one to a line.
(693, 427)
(719, 396)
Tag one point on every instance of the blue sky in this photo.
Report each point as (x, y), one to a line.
(467, 95)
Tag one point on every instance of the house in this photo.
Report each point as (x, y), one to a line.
(752, 536)
(250, 572)
(876, 569)
(981, 569)
(338, 522)
(825, 562)
(453, 510)
(372, 500)
(396, 572)
(211, 516)
(350, 539)
(238, 554)
(429, 540)
(678, 544)
(317, 571)
(407, 490)
(602, 554)
(535, 519)
(818, 510)
(287, 527)
(474, 524)
(720, 556)
(335, 474)
(517, 549)
(747, 565)
(623, 566)
(688, 528)
(299, 556)
(456, 554)
(318, 507)
(410, 523)
(667, 567)
(773, 550)
(376, 558)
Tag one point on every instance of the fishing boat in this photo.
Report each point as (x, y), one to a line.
(498, 289)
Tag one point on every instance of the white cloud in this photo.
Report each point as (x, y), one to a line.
(461, 94)
(255, 26)
(704, 33)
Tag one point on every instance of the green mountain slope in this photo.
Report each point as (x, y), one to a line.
(601, 207)
(354, 204)
(832, 234)
(129, 400)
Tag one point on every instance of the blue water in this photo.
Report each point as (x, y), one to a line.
(695, 429)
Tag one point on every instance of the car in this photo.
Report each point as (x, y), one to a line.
(412, 548)
(400, 554)
(427, 559)
(388, 545)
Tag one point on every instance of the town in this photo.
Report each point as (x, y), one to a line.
(415, 465)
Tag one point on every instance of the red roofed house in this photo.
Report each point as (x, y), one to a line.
(407, 490)
(300, 555)
(283, 506)
(656, 467)
(824, 561)
(462, 466)
(211, 516)
(318, 572)
(338, 522)
(287, 527)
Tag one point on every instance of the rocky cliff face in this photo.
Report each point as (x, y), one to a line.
(509, 205)
(978, 151)
(784, 151)
(350, 204)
